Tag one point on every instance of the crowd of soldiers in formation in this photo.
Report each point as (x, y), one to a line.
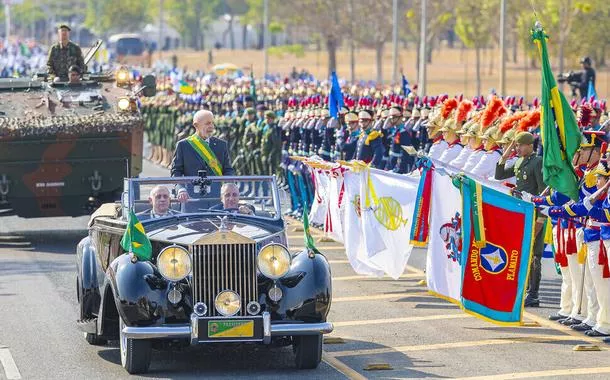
(373, 125)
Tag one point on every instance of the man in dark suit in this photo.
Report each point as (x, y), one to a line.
(201, 151)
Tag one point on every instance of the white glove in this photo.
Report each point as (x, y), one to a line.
(526, 196)
(544, 211)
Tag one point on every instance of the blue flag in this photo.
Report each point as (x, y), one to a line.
(335, 98)
(591, 91)
(406, 90)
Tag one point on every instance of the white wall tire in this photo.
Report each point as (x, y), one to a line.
(135, 353)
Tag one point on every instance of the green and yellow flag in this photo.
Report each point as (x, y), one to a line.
(559, 132)
(309, 244)
(135, 240)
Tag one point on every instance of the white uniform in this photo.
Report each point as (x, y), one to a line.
(452, 151)
(473, 160)
(437, 149)
(461, 158)
(486, 167)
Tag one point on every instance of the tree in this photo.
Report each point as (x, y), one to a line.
(474, 22)
(118, 15)
(323, 17)
(375, 29)
(190, 17)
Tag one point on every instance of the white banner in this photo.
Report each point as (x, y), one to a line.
(333, 223)
(352, 224)
(320, 199)
(387, 203)
(443, 271)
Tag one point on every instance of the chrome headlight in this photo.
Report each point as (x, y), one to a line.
(174, 263)
(274, 261)
(227, 303)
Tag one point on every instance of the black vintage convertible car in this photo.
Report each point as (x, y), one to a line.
(219, 272)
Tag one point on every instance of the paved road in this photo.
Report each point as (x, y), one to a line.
(378, 321)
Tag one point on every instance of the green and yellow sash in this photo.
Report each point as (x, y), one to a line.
(203, 149)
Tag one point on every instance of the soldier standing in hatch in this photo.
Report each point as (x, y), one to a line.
(64, 54)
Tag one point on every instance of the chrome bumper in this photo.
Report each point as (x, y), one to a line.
(190, 331)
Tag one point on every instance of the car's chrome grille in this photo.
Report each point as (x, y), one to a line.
(218, 267)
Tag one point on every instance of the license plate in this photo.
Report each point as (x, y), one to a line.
(231, 329)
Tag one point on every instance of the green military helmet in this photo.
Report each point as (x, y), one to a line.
(270, 114)
(249, 111)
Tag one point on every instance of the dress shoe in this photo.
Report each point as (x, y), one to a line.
(595, 333)
(556, 317)
(581, 327)
(532, 302)
(570, 322)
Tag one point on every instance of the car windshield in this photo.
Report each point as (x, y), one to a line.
(165, 197)
(129, 46)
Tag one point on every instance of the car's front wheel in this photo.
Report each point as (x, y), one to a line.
(308, 350)
(135, 353)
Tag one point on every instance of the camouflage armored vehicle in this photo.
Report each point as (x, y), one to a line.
(65, 148)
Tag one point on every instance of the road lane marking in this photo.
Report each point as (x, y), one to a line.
(400, 320)
(10, 368)
(379, 297)
(559, 327)
(362, 277)
(465, 344)
(338, 365)
(547, 373)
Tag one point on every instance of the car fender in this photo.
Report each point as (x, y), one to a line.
(87, 275)
(306, 288)
(139, 293)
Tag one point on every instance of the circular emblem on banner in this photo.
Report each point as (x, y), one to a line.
(493, 258)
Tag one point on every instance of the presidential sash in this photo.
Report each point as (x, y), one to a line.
(205, 152)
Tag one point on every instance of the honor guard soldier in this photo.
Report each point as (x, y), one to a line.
(370, 147)
(348, 148)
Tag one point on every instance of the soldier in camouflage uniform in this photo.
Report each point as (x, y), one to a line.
(64, 54)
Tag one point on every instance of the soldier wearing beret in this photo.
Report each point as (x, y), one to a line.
(64, 54)
(528, 173)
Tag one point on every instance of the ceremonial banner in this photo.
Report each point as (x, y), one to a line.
(443, 268)
(333, 223)
(352, 223)
(319, 206)
(494, 276)
(388, 201)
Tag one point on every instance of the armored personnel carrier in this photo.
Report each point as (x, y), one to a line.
(66, 147)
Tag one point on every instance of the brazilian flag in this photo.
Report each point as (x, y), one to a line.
(135, 240)
(308, 238)
(559, 132)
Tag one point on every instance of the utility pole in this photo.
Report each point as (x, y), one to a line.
(160, 44)
(421, 85)
(352, 44)
(394, 41)
(7, 17)
(502, 48)
(266, 35)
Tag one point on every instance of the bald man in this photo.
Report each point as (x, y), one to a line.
(201, 151)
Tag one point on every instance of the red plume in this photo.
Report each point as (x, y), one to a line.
(462, 111)
(448, 106)
(585, 116)
(492, 112)
(510, 122)
(529, 121)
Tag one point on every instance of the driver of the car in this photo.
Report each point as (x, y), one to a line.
(159, 199)
(229, 196)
